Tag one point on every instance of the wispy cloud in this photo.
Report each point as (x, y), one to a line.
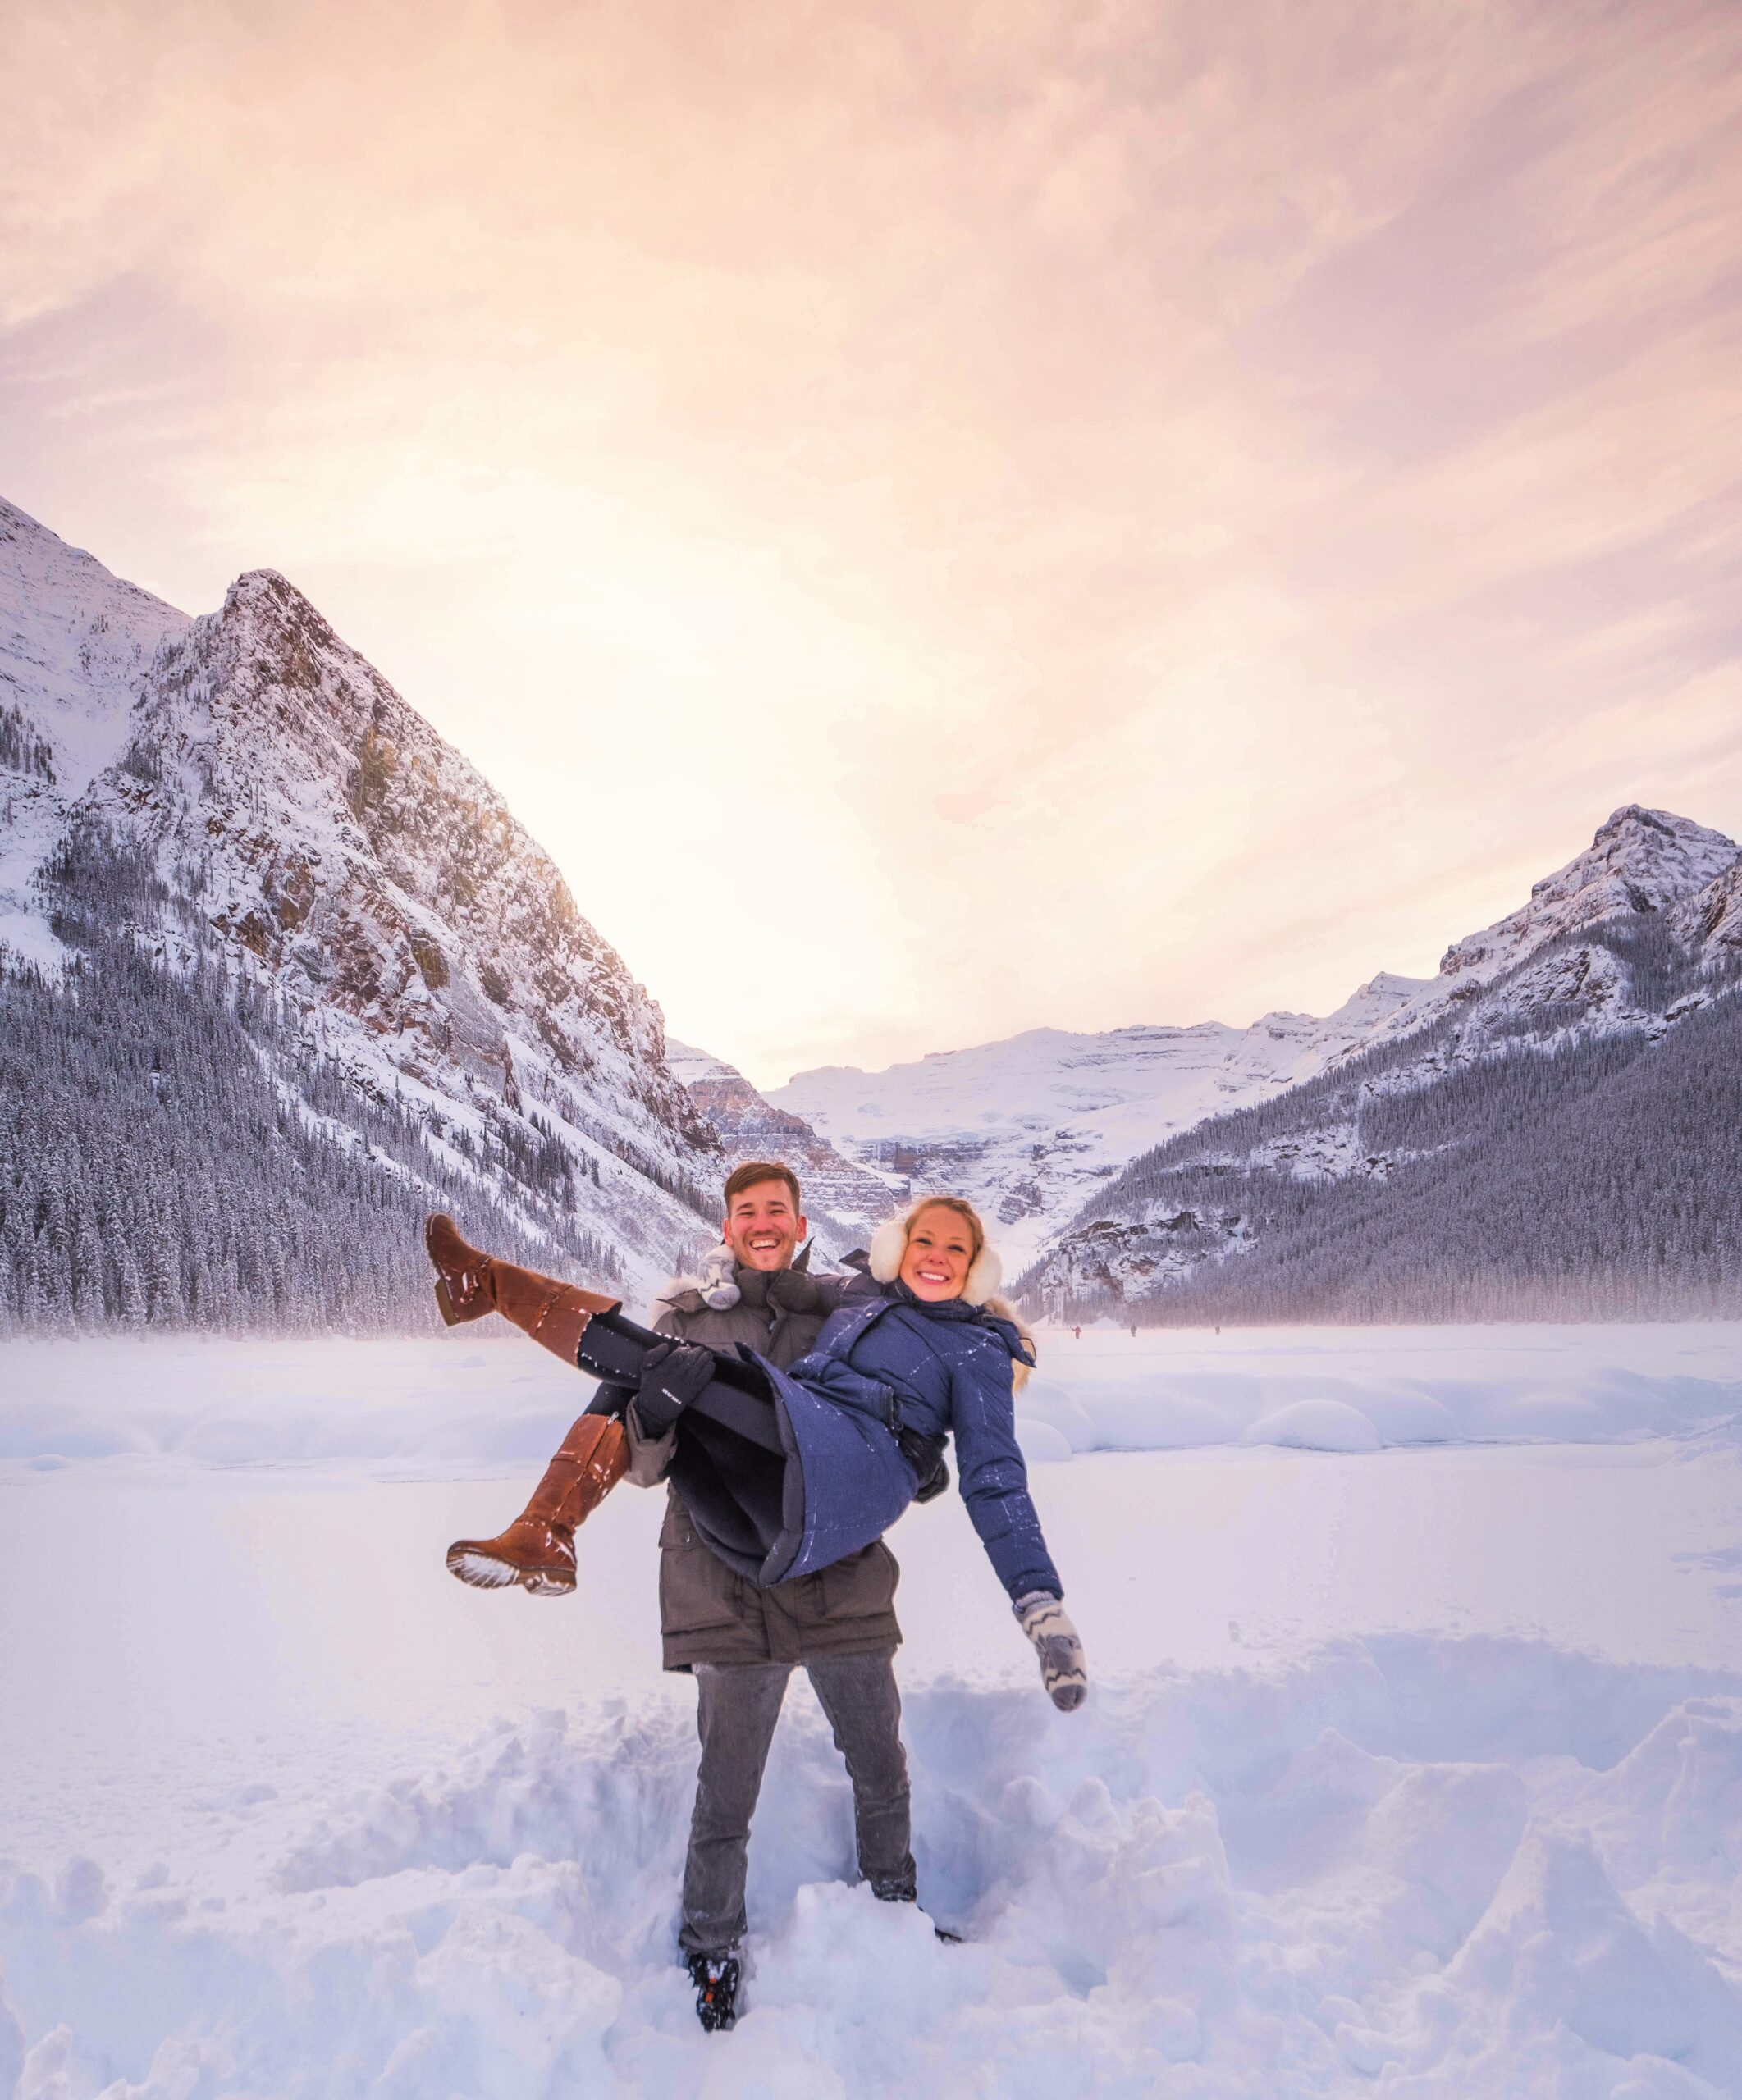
(1120, 511)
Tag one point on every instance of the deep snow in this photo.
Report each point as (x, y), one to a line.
(1414, 1771)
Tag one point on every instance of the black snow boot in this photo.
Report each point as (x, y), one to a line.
(715, 1977)
(893, 1892)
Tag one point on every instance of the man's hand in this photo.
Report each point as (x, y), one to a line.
(1063, 1671)
(650, 1456)
(672, 1374)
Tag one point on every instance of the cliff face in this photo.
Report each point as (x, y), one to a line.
(315, 823)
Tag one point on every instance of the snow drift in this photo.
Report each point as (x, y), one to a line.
(1481, 1871)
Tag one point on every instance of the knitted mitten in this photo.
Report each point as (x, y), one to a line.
(1063, 1669)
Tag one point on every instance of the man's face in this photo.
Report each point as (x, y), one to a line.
(764, 1226)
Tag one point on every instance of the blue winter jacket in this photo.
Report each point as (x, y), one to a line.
(890, 1361)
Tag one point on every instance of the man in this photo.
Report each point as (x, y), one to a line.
(741, 1640)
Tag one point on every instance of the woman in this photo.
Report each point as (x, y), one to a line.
(784, 1472)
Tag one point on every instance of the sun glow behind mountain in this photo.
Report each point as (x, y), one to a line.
(1036, 516)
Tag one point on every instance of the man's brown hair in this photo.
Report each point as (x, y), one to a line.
(762, 1170)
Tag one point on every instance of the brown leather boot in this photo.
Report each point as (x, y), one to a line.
(470, 1282)
(537, 1549)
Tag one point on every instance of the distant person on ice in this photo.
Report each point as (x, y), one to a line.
(795, 1417)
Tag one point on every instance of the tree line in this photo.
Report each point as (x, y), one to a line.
(174, 1153)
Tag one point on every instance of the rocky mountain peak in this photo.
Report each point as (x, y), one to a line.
(1641, 861)
(345, 845)
(271, 607)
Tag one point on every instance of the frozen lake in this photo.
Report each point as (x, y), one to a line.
(1413, 1764)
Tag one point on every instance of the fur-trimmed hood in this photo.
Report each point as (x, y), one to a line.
(716, 1285)
(1001, 1308)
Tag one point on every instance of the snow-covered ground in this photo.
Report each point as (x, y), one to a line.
(1414, 1764)
(1363, 1389)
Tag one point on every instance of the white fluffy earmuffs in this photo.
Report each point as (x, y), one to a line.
(889, 1243)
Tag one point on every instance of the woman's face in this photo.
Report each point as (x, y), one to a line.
(940, 1252)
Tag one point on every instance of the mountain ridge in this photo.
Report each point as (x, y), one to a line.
(416, 1014)
(1559, 1135)
(1069, 1110)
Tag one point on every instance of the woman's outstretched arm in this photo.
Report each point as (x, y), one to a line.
(994, 1478)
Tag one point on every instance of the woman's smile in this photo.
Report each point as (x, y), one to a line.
(939, 1254)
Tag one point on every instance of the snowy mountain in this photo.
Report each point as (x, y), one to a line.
(1027, 1127)
(244, 802)
(1032, 1127)
(279, 972)
(1554, 1126)
(1641, 862)
(74, 646)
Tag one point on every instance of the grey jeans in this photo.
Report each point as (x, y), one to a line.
(737, 1706)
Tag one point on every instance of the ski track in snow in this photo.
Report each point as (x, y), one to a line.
(1412, 1771)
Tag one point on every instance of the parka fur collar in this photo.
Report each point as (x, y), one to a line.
(1001, 1308)
(715, 1284)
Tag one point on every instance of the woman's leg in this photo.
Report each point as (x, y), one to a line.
(537, 1551)
(730, 1465)
(470, 1282)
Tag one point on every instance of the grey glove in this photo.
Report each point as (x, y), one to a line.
(672, 1374)
(649, 1456)
(1063, 1669)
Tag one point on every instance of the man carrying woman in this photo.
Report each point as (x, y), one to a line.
(794, 1417)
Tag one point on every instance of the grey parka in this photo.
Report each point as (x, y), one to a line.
(708, 1614)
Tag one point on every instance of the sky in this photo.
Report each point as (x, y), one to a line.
(943, 521)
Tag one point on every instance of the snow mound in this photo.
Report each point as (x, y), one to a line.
(1357, 1389)
(1322, 1425)
(1477, 1870)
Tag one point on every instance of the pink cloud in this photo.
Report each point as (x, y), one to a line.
(1215, 495)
